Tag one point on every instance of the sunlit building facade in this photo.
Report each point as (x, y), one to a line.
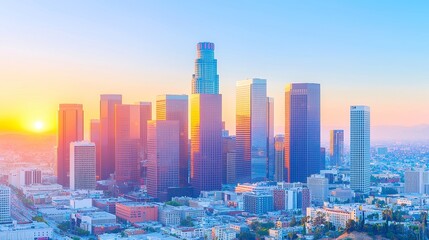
(163, 157)
(302, 131)
(175, 107)
(251, 130)
(82, 165)
(270, 139)
(360, 149)
(107, 133)
(70, 129)
(95, 138)
(279, 158)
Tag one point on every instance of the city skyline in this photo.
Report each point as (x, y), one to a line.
(269, 59)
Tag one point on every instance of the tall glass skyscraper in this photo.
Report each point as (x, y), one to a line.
(360, 148)
(252, 130)
(205, 80)
(70, 129)
(336, 147)
(302, 131)
(270, 139)
(206, 122)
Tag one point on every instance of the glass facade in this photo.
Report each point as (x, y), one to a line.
(302, 131)
(205, 79)
(336, 147)
(360, 148)
(251, 130)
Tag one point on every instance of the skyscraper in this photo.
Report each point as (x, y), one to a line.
(127, 143)
(336, 147)
(175, 107)
(95, 138)
(205, 80)
(145, 115)
(302, 131)
(82, 165)
(107, 133)
(206, 122)
(5, 205)
(252, 130)
(270, 139)
(163, 157)
(279, 146)
(70, 129)
(322, 158)
(360, 148)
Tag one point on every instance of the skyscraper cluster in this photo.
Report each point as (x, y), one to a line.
(132, 148)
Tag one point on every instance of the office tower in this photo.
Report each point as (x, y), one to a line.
(260, 203)
(280, 199)
(175, 107)
(107, 133)
(336, 147)
(5, 205)
(127, 143)
(163, 157)
(360, 149)
(270, 139)
(206, 122)
(302, 131)
(70, 129)
(145, 115)
(82, 165)
(415, 181)
(322, 158)
(205, 80)
(252, 130)
(279, 158)
(228, 159)
(318, 186)
(95, 138)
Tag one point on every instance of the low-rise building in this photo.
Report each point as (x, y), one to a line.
(35, 230)
(137, 212)
(87, 221)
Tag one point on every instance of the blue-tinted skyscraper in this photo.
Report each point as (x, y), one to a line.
(302, 131)
(205, 80)
(206, 122)
(252, 130)
(336, 147)
(359, 148)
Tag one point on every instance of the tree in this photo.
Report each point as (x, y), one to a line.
(350, 226)
(293, 222)
(388, 216)
(320, 219)
(187, 222)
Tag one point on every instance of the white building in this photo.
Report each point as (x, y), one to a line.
(25, 177)
(318, 186)
(169, 216)
(78, 203)
(35, 230)
(337, 216)
(82, 165)
(360, 148)
(4, 205)
(223, 233)
(415, 181)
(90, 219)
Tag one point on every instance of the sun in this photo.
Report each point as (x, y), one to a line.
(38, 126)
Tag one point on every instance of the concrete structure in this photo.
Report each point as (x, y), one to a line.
(336, 147)
(70, 129)
(169, 216)
(337, 216)
(360, 149)
(5, 205)
(322, 158)
(229, 159)
(252, 130)
(25, 177)
(302, 131)
(205, 80)
(95, 138)
(415, 181)
(258, 203)
(318, 186)
(88, 220)
(270, 139)
(35, 230)
(79, 203)
(163, 157)
(134, 212)
(279, 158)
(107, 133)
(175, 108)
(82, 166)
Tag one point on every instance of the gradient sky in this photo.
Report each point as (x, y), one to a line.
(373, 53)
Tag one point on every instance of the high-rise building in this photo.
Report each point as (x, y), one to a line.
(82, 165)
(322, 158)
(318, 186)
(336, 147)
(270, 139)
(279, 158)
(228, 159)
(107, 133)
(258, 203)
(25, 177)
(206, 122)
(70, 129)
(302, 131)
(127, 143)
(360, 148)
(415, 181)
(252, 130)
(163, 157)
(95, 138)
(145, 116)
(206, 142)
(175, 107)
(5, 205)
(205, 80)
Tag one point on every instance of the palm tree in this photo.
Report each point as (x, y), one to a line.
(387, 215)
